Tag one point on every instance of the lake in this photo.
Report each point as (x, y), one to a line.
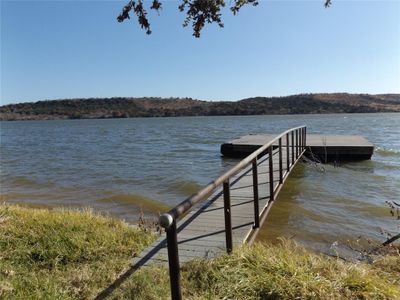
(122, 166)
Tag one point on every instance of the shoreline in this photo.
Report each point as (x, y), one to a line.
(86, 256)
(124, 107)
(195, 116)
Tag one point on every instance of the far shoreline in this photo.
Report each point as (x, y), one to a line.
(123, 108)
(200, 116)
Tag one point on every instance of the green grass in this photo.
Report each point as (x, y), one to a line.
(62, 254)
(283, 271)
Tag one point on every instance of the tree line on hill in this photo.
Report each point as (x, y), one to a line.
(120, 107)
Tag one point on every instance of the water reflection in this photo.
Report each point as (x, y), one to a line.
(285, 207)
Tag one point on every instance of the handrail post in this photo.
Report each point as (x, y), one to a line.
(297, 144)
(287, 153)
(271, 175)
(173, 261)
(255, 193)
(280, 162)
(228, 216)
(305, 137)
(292, 147)
(301, 139)
(298, 141)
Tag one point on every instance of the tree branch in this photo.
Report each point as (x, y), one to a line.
(198, 12)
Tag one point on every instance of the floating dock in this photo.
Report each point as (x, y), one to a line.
(231, 209)
(201, 232)
(231, 213)
(326, 148)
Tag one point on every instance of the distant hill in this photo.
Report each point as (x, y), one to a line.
(94, 108)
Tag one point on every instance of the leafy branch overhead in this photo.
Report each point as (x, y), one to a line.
(198, 12)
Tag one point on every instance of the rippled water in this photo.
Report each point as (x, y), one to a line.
(119, 165)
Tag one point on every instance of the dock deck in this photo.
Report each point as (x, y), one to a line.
(201, 233)
(229, 211)
(327, 148)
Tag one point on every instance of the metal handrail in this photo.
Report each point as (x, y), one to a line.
(184, 206)
(169, 220)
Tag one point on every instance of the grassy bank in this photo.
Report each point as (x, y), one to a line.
(62, 254)
(74, 255)
(283, 271)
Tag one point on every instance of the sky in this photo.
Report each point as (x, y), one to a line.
(77, 49)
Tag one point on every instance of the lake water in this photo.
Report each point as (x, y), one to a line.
(120, 166)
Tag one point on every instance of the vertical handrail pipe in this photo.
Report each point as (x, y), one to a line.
(299, 141)
(271, 174)
(302, 140)
(292, 147)
(228, 216)
(287, 153)
(280, 162)
(305, 137)
(255, 195)
(173, 262)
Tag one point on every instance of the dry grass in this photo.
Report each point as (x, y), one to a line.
(283, 271)
(66, 254)
(62, 254)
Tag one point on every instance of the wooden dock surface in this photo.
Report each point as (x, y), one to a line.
(201, 233)
(325, 147)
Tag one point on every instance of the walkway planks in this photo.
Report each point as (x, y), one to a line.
(202, 230)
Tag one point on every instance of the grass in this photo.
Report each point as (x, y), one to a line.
(283, 271)
(65, 254)
(62, 254)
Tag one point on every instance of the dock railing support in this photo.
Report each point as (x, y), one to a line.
(271, 174)
(255, 193)
(287, 153)
(280, 162)
(169, 220)
(292, 147)
(300, 141)
(173, 261)
(228, 216)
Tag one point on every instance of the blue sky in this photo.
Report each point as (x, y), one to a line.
(70, 49)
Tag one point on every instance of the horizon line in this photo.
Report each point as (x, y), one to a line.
(199, 99)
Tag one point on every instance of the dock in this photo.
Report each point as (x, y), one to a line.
(325, 148)
(201, 233)
(224, 214)
(231, 209)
